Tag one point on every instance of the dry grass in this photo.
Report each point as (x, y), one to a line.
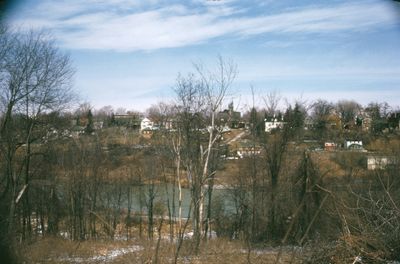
(57, 250)
(224, 176)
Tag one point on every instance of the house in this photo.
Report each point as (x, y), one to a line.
(248, 149)
(308, 123)
(363, 119)
(330, 146)
(273, 123)
(380, 162)
(354, 145)
(230, 118)
(170, 124)
(146, 124)
(127, 120)
(147, 128)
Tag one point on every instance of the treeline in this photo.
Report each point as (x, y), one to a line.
(319, 115)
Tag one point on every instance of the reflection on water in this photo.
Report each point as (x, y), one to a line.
(168, 194)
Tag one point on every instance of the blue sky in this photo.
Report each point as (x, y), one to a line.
(128, 53)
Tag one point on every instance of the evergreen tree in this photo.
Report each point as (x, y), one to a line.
(294, 118)
(89, 126)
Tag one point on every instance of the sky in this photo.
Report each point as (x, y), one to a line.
(128, 53)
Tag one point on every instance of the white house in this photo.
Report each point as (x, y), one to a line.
(146, 124)
(380, 162)
(273, 124)
(353, 144)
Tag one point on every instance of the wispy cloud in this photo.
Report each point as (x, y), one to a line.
(123, 25)
(282, 72)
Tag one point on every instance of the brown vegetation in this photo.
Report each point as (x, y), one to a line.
(72, 193)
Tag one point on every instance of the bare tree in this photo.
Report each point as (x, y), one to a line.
(216, 86)
(276, 160)
(378, 113)
(120, 111)
(271, 101)
(200, 95)
(348, 111)
(35, 78)
(321, 110)
(190, 104)
(160, 114)
(105, 111)
(105, 114)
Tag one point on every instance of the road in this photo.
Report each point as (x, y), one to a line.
(238, 136)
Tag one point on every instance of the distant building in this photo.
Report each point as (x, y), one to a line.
(308, 123)
(380, 162)
(330, 146)
(127, 120)
(230, 118)
(273, 123)
(170, 124)
(353, 145)
(248, 149)
(146, 124)
(363, 120)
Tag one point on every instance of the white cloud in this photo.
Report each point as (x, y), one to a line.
(122, 25)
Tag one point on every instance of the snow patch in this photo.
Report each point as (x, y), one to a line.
(107, 256)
